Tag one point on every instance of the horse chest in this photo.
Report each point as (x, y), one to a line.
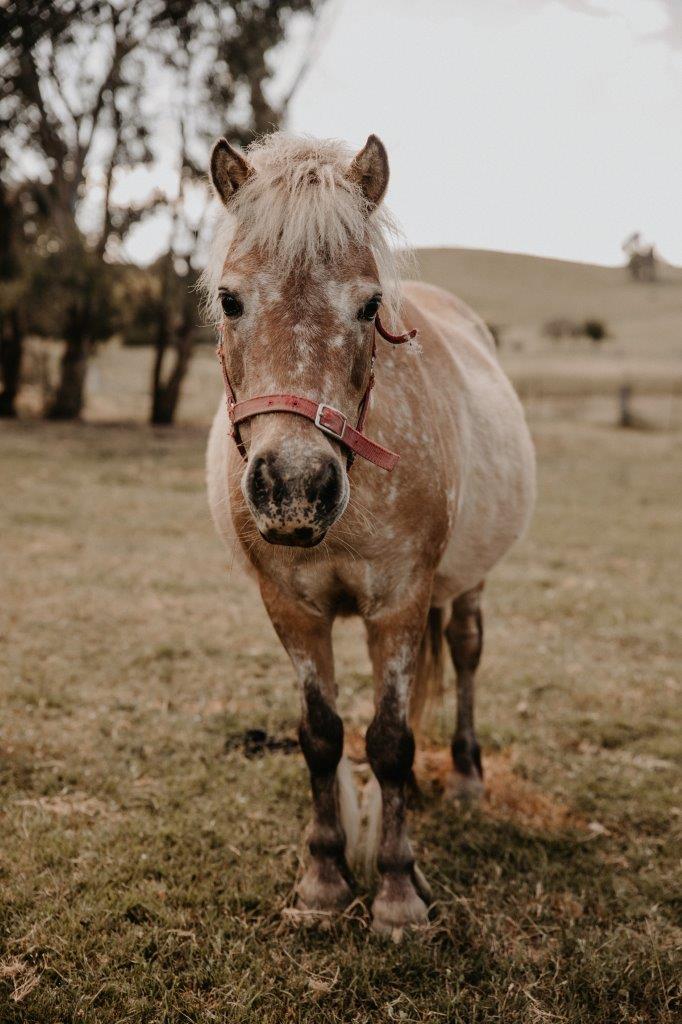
(345, 585)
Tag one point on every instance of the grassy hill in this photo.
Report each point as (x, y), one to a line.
(519, 294)
(519, 291)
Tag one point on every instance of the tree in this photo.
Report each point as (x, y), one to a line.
(81, 82)
(217, 58)
(642, 261)
(11, 334)
(69, 85)
(595, 330)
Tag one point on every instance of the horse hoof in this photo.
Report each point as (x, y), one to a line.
(323, 894)
(467, 788)
(393, 911)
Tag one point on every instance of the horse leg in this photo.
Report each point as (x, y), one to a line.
(394, 645)
(326, 883)
(464, 634)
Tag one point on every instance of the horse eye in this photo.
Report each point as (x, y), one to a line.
(232, 306)
(370, 309)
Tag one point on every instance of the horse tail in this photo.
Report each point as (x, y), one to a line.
(428, 683)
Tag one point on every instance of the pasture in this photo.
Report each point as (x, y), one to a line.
(147, 864)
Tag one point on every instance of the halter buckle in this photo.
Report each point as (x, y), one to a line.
(330, 428)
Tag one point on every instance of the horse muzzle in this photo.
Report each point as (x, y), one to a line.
(295, 503)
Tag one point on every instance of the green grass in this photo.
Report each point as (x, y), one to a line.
(145, 863)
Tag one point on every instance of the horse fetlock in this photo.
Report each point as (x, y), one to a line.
(467, 781)
(467, 788)
(327, 842)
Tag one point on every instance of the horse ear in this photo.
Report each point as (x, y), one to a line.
(369, 170)
(229, 169)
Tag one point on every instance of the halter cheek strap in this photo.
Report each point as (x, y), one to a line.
(325, 417)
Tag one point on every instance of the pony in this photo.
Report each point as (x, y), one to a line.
(302, 275)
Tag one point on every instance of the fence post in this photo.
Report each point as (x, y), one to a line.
(625, 418)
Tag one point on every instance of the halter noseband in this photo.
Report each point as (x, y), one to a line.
(325, 417)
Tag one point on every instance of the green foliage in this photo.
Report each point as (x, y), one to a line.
(146, 298)
(70, 291)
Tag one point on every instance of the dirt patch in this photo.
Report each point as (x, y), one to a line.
(508, 795)
(256, 742)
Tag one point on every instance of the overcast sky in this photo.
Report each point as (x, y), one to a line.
(542, 126)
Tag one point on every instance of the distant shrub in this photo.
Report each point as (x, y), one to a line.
(565, 327)
(560, 327)
(595, 330)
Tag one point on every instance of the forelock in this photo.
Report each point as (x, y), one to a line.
(299, 209)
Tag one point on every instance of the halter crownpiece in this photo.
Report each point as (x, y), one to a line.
(325, 417)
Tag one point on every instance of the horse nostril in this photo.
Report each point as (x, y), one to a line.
(257, 484)
(325, 485)
(265, 483)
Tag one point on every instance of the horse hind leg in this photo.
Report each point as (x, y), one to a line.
(464, 635)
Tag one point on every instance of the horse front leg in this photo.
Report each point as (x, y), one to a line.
(394, 642)
(326, 883)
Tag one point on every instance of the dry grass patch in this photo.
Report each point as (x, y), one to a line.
(145, 862)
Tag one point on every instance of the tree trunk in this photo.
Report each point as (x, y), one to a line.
(11, 351)
(69, 399)
(166, 394)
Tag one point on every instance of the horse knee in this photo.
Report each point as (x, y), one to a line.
(320, 734)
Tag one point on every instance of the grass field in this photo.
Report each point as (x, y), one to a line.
(145, 862)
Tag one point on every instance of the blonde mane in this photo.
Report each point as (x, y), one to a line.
(300, 206)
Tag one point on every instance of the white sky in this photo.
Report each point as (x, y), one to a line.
(544, 126)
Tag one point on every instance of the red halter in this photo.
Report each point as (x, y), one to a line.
(327, 419)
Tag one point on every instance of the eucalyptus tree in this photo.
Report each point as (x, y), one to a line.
(91, 89)
(70, 113)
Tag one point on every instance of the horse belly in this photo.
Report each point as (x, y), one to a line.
(496, 491)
